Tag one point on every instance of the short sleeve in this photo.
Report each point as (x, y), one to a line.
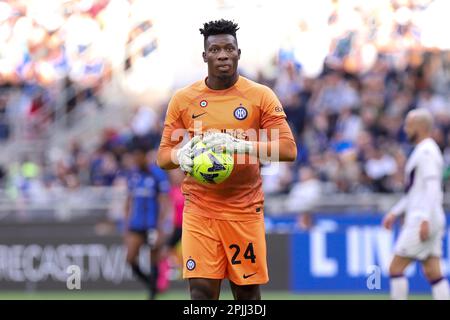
(428, 166)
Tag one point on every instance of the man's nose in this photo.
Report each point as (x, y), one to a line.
(222, 55)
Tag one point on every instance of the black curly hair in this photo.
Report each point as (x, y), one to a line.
(221, 26)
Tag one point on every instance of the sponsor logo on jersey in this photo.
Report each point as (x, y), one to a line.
(194, 116)
(240, 112)
(190, 264)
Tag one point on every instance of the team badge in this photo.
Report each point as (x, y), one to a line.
(240, 113)
(190, 264)
(203, 103)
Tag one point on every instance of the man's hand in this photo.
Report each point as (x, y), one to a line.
(389, 220)
(424, 231)
(185, 154)
(220, 141)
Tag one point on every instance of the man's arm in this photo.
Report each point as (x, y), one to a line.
(395, 212)
(165, 159)
(400, 207)
(164, 205)
(163, 214)
(432, 176)
(170, 153)
(171, 137)
(280, 145)
(281, 150)
(180, 156)
(128, 205)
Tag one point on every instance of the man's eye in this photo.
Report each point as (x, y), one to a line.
(230, 49)
(213, 50)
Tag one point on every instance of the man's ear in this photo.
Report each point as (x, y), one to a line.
(239, 53)
(204, 57)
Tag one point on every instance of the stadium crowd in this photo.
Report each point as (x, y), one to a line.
(347, 119)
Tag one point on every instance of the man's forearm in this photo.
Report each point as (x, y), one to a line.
(165, 159)
(277, 150)
(164, 212)
(127, 208)
(399, 207)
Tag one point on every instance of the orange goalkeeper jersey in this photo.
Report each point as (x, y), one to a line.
(241, 110)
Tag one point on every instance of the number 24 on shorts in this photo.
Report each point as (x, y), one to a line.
(248, 254)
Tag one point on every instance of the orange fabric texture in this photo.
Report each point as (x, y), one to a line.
(219, 249)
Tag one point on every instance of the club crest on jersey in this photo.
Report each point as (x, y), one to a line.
(190, 264)
(203, 103)
(240, 112)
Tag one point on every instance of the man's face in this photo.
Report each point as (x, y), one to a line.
(222, 55)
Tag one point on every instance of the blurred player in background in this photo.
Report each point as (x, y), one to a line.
(176, 196)
(223, 225)
(146, 209)
(171, 259)
(421, 237)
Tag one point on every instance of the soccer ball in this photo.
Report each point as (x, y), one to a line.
(211, 167)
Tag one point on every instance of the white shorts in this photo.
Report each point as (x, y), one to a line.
(409, 244)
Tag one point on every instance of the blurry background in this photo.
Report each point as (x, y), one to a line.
(82, 81)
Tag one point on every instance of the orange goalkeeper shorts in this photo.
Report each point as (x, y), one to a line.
(219, 249)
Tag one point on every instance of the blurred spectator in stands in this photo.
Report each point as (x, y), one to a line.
(349, 124)
(437, 104)
(145, 127)
(3, 177)
(4, 122)
(397, 179)
(326, 166)
(288, 82)
(277, 177)
(349, 172)
(334, 94)
(379, 167)
(378, 65)
(27, 182)
(104, 170)
(304, 196)
(143, 121)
